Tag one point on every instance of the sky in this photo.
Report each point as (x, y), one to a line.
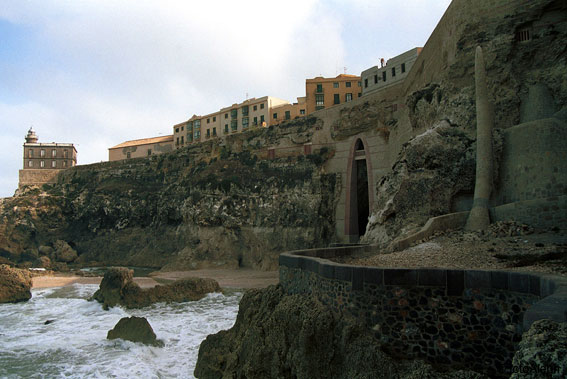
(96, 73)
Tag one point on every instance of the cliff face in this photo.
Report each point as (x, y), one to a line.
(281, 336)
(433, 174)
(205, 206)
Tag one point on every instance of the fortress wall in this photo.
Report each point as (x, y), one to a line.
(467, 318)
(30, 177)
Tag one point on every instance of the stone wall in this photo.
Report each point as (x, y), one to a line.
(467, 318)
(32, 177)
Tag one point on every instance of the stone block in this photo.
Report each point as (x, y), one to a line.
(400, 277)
(432, 277)
(519, 282)
(343, 272)
(357, 278)
(455, 282)
(373, 275)
(477, 279)
(327, 270)
(499, 280)
(535, 287)
(289, 260)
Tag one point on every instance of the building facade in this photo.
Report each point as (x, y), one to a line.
(237, 118)
(287, 112)
(42, 161)
(141, 148)
(393, 71)
(321, 93)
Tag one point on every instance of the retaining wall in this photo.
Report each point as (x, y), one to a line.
(468, 318)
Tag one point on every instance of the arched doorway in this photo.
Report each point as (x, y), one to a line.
(359, 196)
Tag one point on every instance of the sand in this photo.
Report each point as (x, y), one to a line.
(242, 278)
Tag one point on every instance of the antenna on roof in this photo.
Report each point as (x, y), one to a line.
(345, 69)
(246, 95)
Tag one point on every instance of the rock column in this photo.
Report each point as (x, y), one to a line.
(479, 218)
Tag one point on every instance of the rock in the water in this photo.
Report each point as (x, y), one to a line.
(15, 284)
(118, 288)
(135, 329)
(542, 352)
(64, 252)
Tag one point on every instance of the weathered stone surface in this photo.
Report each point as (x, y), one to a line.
(118, 288)
(135, 329)
(64, 252)
(15, 284)
(279, 336)
(542, 352)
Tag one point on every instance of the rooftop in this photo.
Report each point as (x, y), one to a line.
(144, 141)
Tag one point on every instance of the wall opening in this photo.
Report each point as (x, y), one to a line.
(359, 202)
(362, 195)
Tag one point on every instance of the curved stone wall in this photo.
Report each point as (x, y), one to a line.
(471, 318)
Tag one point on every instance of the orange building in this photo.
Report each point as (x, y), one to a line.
(323, 93)
(286, 112)
(141, 148)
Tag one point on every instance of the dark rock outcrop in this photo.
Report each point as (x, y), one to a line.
(280, 336)
(542, 352)
(15, 284)
(135, 329)
(118, 288)
(64, 252)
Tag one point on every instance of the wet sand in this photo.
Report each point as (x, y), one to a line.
(242, 278)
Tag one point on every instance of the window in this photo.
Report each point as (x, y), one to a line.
(30, 153)
(302, 111)
(226, 128)
(177, 141)
(182, 141)
(150, 151)
(176, 130)
(64, 163)
(30, 163)
(214, 132)
(234, 125)
(287, 115)
(208, 133)
(384, 75)
(359, 84)
(348, 97)
(336, 99)
(208, 121)
(319, 102)
(261, 106)
(182, 128)
(197, 124)
(244, 122)
(197, 134)
(375, 79)
(128, 155)
(234, 113)
(226, 115)
(189, 125)
(348, 84)
(393, 71)
(255, 120)
(319, 88)
(214, 118)
(53, 153)
(245, 110)
(275, 116)
(262, 119)
(403, 68)
(523, 35)
(65, 153)
(42, 153)
(365, 83)
(336, 85)
(255, 107)
(189, 137)
(359, 94)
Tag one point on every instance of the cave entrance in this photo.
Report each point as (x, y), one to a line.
(359, 195)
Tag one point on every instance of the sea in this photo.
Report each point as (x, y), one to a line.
(59, 334)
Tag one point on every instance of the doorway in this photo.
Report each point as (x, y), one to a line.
(359, 192)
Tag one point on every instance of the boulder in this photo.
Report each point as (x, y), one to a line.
(135, 329)
(118, 288)
(542, 353)
(15, 284)
(64, 252)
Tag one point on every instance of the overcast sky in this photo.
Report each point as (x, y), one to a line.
(99, 72)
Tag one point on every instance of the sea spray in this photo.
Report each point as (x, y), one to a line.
(59, 333)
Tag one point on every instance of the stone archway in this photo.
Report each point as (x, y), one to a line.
(359, 190)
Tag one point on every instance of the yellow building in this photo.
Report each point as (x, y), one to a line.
(323, 93)
(251, 113)
(287, 112)
(141, 148)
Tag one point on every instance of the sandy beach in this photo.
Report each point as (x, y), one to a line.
(242, 278)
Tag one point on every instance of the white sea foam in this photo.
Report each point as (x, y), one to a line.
(74, 345)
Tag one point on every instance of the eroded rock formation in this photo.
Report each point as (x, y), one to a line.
(135, 329)
(118, 288)
(15, 285)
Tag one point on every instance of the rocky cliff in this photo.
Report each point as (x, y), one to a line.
(204, 206)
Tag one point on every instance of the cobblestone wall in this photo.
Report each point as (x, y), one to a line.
(448, 317)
